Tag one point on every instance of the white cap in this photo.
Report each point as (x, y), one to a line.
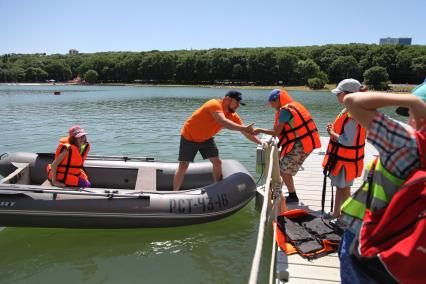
(347, 86)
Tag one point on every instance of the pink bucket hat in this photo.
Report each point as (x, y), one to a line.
(76, 131)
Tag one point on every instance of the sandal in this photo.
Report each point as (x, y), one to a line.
(328, 216)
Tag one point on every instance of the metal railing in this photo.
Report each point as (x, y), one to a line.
(254, 273)
(270, 205)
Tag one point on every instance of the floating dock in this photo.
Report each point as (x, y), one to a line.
(308, 183)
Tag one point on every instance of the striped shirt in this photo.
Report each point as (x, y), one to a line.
(396, 143)
(397, 146)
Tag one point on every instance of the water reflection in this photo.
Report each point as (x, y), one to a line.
(206, 252)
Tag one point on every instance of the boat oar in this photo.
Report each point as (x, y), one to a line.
(100, 157)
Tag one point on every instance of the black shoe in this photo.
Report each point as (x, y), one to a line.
(329, 216)
(292, 198)
(339, 224)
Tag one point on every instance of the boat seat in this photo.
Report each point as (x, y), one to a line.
(146, 179)
(46, 183)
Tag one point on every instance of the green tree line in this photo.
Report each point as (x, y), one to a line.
(251, 66)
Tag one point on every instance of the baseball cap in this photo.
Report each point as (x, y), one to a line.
(76, 131)
(274, 95)
(282, 95)
(235, 95)
(419, 91)
(347, 86)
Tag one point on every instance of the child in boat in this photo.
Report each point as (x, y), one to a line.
(67, 167)
(344, 158)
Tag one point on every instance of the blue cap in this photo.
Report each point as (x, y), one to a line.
(274, 95)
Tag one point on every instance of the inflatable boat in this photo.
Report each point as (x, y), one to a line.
(126, 192)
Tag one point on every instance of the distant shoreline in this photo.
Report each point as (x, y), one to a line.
(243, 87)
(404, 88)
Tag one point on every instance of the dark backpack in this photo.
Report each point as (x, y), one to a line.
(392, 243)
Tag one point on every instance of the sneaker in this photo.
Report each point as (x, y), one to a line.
(292, 198)
(339, 223)
(328, 216)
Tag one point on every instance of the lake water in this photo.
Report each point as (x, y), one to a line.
(138, 121)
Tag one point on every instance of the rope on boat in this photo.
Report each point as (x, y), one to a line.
(254, 272)
(39, 189)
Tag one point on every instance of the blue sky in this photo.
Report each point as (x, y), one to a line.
(126, 25)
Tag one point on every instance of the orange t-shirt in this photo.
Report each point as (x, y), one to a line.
(202, 126)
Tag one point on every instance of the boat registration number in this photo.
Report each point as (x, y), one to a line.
(7, 203)
(203, 204)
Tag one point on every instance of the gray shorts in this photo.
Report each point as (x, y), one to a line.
(293, 160)
(188, 149)
(340, 180)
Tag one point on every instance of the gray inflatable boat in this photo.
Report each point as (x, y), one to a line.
(126, 192)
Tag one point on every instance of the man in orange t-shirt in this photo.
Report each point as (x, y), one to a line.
(198, 131)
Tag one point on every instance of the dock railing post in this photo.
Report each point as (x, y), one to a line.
(276, 210)
(272, 157)
(273, 179)
(278, 205)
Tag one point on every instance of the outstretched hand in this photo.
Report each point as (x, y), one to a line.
(249, 128)
(257, 131)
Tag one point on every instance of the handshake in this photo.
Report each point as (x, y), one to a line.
(249, 129)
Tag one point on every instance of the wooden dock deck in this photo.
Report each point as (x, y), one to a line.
(308, 183)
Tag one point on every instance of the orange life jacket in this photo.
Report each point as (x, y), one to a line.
(351, 157)
(301, 128)
(71, 167)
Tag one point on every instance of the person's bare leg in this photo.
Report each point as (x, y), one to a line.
(346, 193)
(283, 204)
(217, 168)
(179, 175)
(341, 195)
(288, 181)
